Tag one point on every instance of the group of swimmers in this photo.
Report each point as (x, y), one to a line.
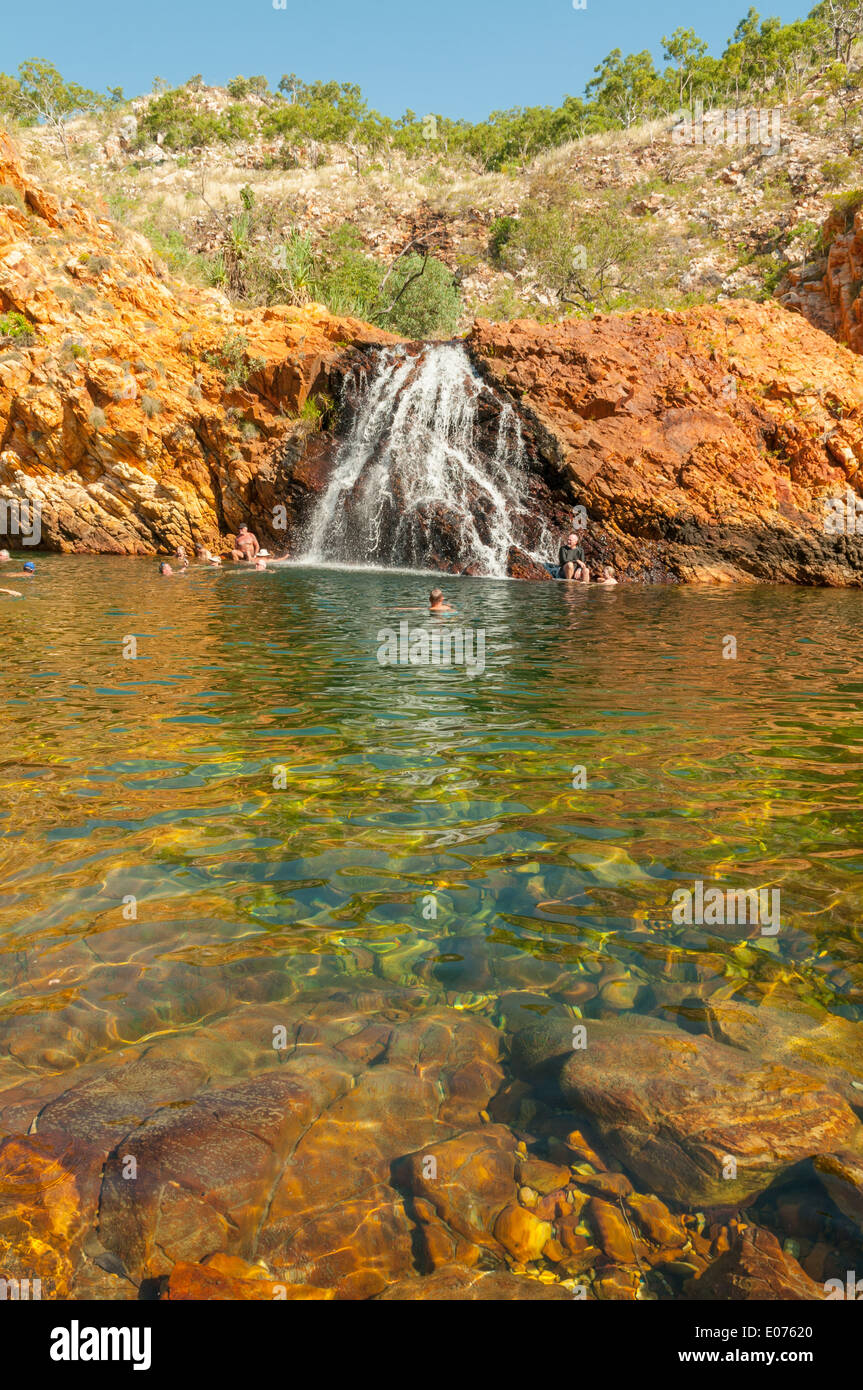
(571, 565)
(246, 550)
(27, 571)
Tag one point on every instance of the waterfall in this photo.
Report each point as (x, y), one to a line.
(430, 475)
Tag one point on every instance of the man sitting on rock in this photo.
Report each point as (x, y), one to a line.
(570, 560)
(247, 545)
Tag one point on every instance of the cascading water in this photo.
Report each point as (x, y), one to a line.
(414, 486)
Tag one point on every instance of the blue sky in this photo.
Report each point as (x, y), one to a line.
(455, 57)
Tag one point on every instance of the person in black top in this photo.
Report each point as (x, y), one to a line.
(570, 561)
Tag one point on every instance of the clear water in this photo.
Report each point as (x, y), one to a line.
(155, 776)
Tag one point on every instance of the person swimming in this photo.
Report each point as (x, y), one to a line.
(165, 570)
(27, 571)
(5, 557)
(436, 605)
(608, 578)
(181, 557)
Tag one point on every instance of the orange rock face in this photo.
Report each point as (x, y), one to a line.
(145, 413)
(701, 444)
(827, 293)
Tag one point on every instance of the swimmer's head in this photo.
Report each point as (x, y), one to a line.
(4, 555)
(29, 567)
(608, 571)
(436, 597)
(165, 568)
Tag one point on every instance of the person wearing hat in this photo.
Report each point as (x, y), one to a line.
(27, 571)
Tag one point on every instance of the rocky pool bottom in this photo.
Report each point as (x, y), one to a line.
(402, 1151)
(325, 980)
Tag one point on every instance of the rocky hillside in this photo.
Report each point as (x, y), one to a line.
(704, 217)
(140, 412)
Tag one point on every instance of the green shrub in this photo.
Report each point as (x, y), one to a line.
(848, 204)
(838, 170)
(97, 418)
(312, 413)
(418, 297)
(175, 116)
(16, 329)
(502, 229)
(421, 299)
(232, 359)
(150, 405)
(587, 259)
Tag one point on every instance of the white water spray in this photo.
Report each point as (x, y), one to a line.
(410, 486)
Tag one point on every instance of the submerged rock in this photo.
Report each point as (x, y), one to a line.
(842, 1175)
(756, 1267)
(698, 1122)
(459, 1188)
(451, 1284)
